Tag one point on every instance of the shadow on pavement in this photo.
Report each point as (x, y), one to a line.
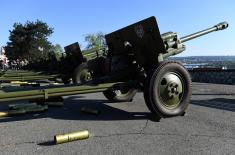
(217, 103)
(47, 143)
(71, 111)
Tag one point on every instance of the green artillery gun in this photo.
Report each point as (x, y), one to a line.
(52, 68)
(135, 60)
(63, 68)
(75, 58)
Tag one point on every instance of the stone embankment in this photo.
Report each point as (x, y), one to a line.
(211, 75)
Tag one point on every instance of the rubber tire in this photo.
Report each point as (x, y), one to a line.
(77, 73)
(111, 95)
(153, 101)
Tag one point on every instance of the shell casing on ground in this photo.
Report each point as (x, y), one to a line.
(16, 109)
(16, 112)
(21, 105)
(12, 113)
(79, 135)
(90, 111)
(19, 82)
(4, 114)
(37, 108)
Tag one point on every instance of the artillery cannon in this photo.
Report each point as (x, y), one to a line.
(53, 69)
(136, 60)
(76, 59)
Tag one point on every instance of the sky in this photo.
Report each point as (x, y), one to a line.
(73, 19)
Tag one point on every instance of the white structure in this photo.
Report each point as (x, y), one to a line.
(3, 57)
(2, 53)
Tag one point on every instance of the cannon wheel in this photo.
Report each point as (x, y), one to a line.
(168, 89)
(119, 95)
(81, 74)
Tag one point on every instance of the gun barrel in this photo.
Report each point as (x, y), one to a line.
(220, 26)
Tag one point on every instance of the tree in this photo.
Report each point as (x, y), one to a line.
(29, 41)
(95, 40)
(57, 50)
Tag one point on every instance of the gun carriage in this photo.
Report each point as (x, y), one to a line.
(135, 61)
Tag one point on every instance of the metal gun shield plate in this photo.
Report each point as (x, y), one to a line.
(144, 38)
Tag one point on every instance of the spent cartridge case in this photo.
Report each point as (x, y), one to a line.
(23, 110)
(90, 111)
(37, 108)
(4, 114)
(12, 113)
(16, 112)
(21, 105)
(79, 135)
(29, 107)
(19, 82)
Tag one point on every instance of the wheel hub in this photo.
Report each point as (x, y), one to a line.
(121, 91)
(85, 75)
(171, 89)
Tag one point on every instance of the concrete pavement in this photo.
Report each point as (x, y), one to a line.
(127, 128)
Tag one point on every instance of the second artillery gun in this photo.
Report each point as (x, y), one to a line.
(135, 60)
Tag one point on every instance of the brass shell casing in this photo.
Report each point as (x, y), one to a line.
(4, 114)
(16, 112)
(21, 106)
(19, 82)
(12, 113)
(37, 108)
(79, 135)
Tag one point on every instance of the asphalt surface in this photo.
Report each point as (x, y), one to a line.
(127, 128)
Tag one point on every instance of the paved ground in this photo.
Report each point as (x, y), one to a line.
(125, 128)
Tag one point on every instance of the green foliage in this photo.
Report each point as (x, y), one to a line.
(29, 41)
(57, 50)
(95, 40)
